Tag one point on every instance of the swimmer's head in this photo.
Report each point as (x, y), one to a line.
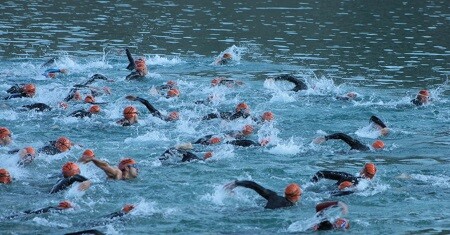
(216, 81)
(345, 184)
(369, 170)
(267, 116)
(70, 169)
(140, 65)
(63, 144)
(5, 136)
(171, 83)
(341, 223)
(173, 116)
(130, 112)
(293, 192)
(173, 92)
(127, 208)
(227, 55)
(242, 107)
(351, 95)
(207, 155)
(27, 155)
(29, 89)
(5, 177)
(214, 140)
(424, 93)
(247, 130)
(65, 205)
(124, 163)
(423, 96)
(89, 99)
(94, 109)
(378, 144)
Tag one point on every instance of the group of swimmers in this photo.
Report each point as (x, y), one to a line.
(127, 168)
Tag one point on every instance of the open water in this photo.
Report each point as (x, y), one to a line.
(385, 51)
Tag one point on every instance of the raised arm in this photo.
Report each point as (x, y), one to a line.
(353, 143)
(265, 193)
(334, 175)
(111, 172)
(131, 65)
(299, 85)
(377, 121)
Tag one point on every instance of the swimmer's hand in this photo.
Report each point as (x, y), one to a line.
(85, 159)
(84, 185)
(230, 186)
(130, 97)
(384, 131)
(344, 207)
(319, 140)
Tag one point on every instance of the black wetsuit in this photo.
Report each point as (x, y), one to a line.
(299, 85)
(226, 115)
(325, 224)
(377, 121)
(66, 182)
(16, 95)
(339, 177)
(353, 143)
(35, 212)
(274, 201)
(80, 114)
(38, 107)
(150, 108)
(77, 87)
(417, 102)
(204, 140)
(49, 149)
(84, 232)
(131, 66)
(23, 161)
(243, 143)
(186, 156)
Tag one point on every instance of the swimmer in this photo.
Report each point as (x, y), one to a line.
(325, 223)
(127, 168)
(125, 210)
(422, 98)
(5, 136)
(71, 173)
(62, 144)
(242, 110)
(353, 143)
(384, 130)
(246, 131)
(64, 205)
(53, 72)
(26, 155)
(181, 152)
(5, 177)
(299, 85)
(218, 81)
(347, 97)
(130, 116)
(346, 180)
(38, 107)
(86, 232)
(224, 59)
(163, 89)
(209, 140)
(139, 67)
(94, 109)
(173, 116)
(74, 93)
(21, 91)
(248, 143)
(292, 193)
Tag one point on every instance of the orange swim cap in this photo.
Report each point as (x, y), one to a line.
(173, 116)
(207, 155)
(70, 169)
(369, 170)
(29, 89)
(5, 177)
(267, 116)
(140, 65)
(341, 223)
(28, 151)
(242, 107)
(4, 132)
(171, 83)
(214, 140)
(247, 130)
(65, 205)
(63, 144)
(173, 92)
(424, 93)
(345, 184)
(125, 162)
(216, 81)
(378, 144)
(94, 109)
(88, 153)
(130, 112)
(127, 208)
(89, 99)
(293, 192)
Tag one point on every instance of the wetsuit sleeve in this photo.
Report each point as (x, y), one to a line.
(14, 151)
(210, 116)
(203, 140)
(353, 143)
(52, 71)
(238, 115)
(93, 78)
(40, 211)
(71, 94)
(15, 89)
(189, 156)
(299, 85)
(115, 215)
(66, 182)
(150, 107)
(84, 232)
(17, 95)
(80, 114)
(334, 175)
(416, 102)
(243, 143)
(265, 193)
(377, 121)
(37, 107)
(325, 205)
(131, 64)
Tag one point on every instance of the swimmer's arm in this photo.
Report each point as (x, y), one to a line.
(131, 65)
(188, 156)
(150, 107)
(210, 116)
(112, 172)
(333, 175)
(326, 205)
(353, 143)
(377, 121)
(243, 143)
(265, 193)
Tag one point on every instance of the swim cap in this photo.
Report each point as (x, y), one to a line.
(4, 132)
(89, 99)
(247, 130)
(216, 81)
(29, 89)
(369, 170)
(227, 55)
(63, 144)
(173, 116)
(70, 169)
(130, 112)
(173, 92)
(125, 162)
(293, 192)
(88, 153)
(171, 83)
(207, 155)
(341, 223)
(345, 184)
(65, 205)
(242, 107)
(424, 93)
(214, 140)
(94, 109)
(267, 116)
(27, 154)
(5, 177)
(127, 208)
(378, 144)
